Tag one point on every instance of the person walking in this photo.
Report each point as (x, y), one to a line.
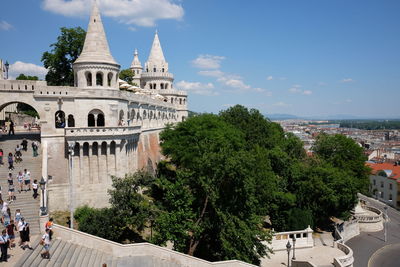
(35, 187)
(11, 128)
(4, 239)
(49, 226)
(11, 194)
(27, 179)
(23, 228)
(18, 154)
(20, 178)
(24, 144)
(46, 240)
(10, 161)
(11, 234)
(35, 147)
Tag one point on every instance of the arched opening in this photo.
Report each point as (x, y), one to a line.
(154, 69)
(88, 76)
(154, 86)
(109, 78)
(151, 114)
(91, 121)
(172, 100)
(100, 120)
(180, 101)
(166, 86)
(71, 120)
(104, 148)
(184, 101)
(99, 79)
(77, 149)
(133, 114)
(161, 86)
(151, 86)
(95, 149)
(60, 119)
(163, 69)
(121, 118)
(144, 115)
(112, 148)
(86, 149)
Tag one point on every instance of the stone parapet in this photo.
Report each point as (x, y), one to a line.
(103, 132)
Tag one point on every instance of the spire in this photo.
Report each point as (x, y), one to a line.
(136, 62)
(96, 47)
(156, 53)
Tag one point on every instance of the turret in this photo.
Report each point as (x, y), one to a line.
(96, 67)
(136, 68)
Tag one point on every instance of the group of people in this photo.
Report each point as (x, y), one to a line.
(17, 156)
(9, 127)
(24, 180)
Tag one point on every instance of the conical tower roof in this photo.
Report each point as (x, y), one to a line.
(96, 47)
(156, 53)
(136, 62)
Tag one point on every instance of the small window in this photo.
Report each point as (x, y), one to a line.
(381, 184)
(390, 186)
(60, 119)
(155, 86)
(161, 86)
(162, 69)
(374, 181)
(71, 121)
(154, 69)
(390, 197)
(166, 86)
(88, 78)
(151, 86)
(109, 78)
(99, 79)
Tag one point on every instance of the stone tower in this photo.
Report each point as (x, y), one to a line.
(136, 68)
(96, 67)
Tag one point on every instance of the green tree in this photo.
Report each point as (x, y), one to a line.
(344, 153)
(23, 77)
(63, 54)
(212, 203)
(126, 75)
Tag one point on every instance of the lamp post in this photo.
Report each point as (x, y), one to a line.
(7, 65)
(385, 222)
(43, 208)
(288, 247)
(294, 247)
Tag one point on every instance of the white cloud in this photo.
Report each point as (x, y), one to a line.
(197, 87)
(211, 73)
(347, 80)
(207, 62)
(281, 104)
(348, 100)
(139, 12)
(132, 29)
(27, 68)
(270, 78)
(5, 26)
(296, 89)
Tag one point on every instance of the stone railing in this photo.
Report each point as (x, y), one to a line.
(72, 132)
(139, 249)
(348, 259)
(370, 218)
(296, 263)
(304, 239)
(157, 74)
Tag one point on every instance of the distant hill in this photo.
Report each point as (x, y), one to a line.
(277, 116)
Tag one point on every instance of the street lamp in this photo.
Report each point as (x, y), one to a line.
(42, 185)
(294, 247)
(7, 65)
(288, 247)
(385, 223)
(71, 147)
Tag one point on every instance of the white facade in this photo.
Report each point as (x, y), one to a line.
(93, 130)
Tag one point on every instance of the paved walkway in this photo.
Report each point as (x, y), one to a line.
(25, 202)
(321, 254)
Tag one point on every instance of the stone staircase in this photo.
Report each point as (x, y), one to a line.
(63, 254)
(25, 202)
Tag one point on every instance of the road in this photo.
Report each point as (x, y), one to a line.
(370, 249)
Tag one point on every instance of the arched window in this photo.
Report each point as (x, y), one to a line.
(88, 76)
(104, 148)
(112, 148)
(161, 86)
(109, 78)
(86, 149)
(144, 114)
(180, 101)
(172, 100)
(184, 101)
(166, 86)
(71, 120)
(77, 150)
(162, 69)
(154, 69)
(60, 119)
(99, 79)
(100, 120)
(151, 86)
(91, 121)
(133, 112)
(155, 86)
(95, 149)
(151, 114)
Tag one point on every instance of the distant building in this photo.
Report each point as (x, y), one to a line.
(384, 182)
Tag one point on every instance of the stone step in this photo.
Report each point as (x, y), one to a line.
(81, 257)
(56, 253)
(86, 258)
(53, 248)
(68, 256)
(63, 254)
(75, 256)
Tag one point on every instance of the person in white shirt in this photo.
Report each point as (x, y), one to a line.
(46, 244)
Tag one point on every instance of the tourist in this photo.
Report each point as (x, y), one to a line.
(46, 240)
(20, 179)
(10, 161)
(35, 148)
(49, 226)
(4, 239)
(18, 154)
(11, 128)
(11, 195)
(35, 187)
(17, 217)
(10, 231)
(27, 180)
(24, 144)
(24, 234)
(6, 214)
(1, 157)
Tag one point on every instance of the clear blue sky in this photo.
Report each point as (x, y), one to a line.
(301, 57)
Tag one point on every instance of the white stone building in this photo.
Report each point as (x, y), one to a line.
(84, 137)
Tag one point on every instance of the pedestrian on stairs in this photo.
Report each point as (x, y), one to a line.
(46, 244)
(27, 179)
(20, 179)
(10, 161)
(10, 231)
(10, 181)
(4, 239)
(1, 156)
(35, 187)
(35, 148)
